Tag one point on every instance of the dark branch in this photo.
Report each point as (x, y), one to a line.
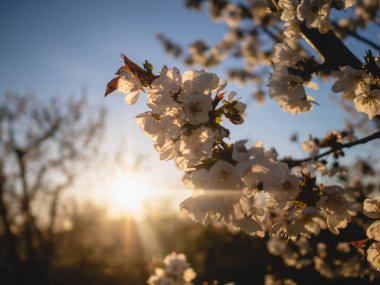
(331, 49)
(291, 163)
(53, 129)
(357, 36)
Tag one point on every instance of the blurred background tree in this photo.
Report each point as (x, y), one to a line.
(44, 148)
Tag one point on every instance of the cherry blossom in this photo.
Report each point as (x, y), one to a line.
(130, 85)
(176, 271)
(371, 207)
(315, 13)
(373, 255)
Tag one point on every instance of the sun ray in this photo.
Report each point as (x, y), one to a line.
(127, 194)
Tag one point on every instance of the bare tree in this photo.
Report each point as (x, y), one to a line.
(44, 148)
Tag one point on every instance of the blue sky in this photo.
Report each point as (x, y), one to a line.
(60, 47)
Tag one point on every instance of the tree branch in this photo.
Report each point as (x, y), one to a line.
(291, 163)
(51, 131)
(330, 48)
(354, 34)
(10, 238)
(333, 51)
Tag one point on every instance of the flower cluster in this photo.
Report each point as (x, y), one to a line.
(242, 187)
(286, 83)
(245, 187)
(361, 88)
(371, 208)
(331, 260)
(175, 271)
(314, 13)
(339, 261)
(184, 121)
(293, 254)
(285, 87)
(274, 280)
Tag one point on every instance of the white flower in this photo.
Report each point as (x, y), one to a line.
(195, 147)
(199, 82)
(373, 231)
(273, 280)
(311, 147)
(172, 121)
(130, 85)
(305, 222)
(299, 106)
(162, 132)
(196, 108)
(204, 208)
(233, 14)
(177, 271)
(315, 13)
(272, 177)
(282, 185)
(159, 278)
(371, 207)
(189, 275)
(349, 3)
(288, 9)
(292, 29)
(216, 198)
(248, 217)
(338, 206)
(300, 222)
(356, 86)
(368, 103)
(176, 264)
(240, 152)
(169, 80)
(351, 81)
(221, 176)
(373, 255)
(284, 54)
(288, 91)
(224, 175)
(160, 96)
(150, 126)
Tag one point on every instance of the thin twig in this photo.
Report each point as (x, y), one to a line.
(357, 36)
(272, 35)
(364, 40)
(291, 163)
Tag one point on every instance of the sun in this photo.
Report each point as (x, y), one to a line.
(129, 193)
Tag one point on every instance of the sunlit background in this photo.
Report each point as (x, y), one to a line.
(67, 48)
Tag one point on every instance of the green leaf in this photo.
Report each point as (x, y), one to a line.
(148, 66)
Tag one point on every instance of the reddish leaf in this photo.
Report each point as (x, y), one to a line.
(217, 99)
(359, 243)
(133, 67)
(111, 86)
(221, 95)
(146, 77)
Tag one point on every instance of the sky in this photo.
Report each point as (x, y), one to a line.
(59, 48)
